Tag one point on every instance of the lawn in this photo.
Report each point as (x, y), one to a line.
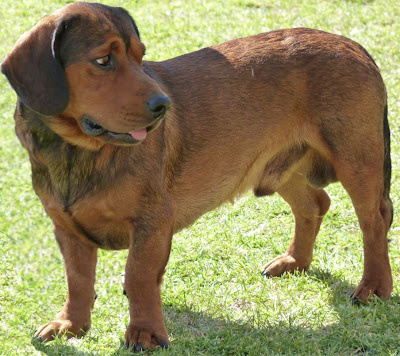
(215, 300)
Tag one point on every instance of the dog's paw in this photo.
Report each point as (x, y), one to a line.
(366, 289)
(59, 328)
(140, 339)
(281, 264)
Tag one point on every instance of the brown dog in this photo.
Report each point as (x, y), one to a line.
(287, 111)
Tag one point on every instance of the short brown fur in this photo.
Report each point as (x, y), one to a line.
(287, 111)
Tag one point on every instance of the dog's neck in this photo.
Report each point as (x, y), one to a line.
(67, 171)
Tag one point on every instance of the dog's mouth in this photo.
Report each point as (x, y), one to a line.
(92, 128)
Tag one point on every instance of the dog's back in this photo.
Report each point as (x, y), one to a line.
(263, 106)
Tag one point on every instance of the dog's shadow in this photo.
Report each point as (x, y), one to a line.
(52, 349)
(204, 333)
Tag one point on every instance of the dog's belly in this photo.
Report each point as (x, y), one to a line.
(262, 170)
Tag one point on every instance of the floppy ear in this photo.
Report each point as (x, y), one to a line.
(34, 71)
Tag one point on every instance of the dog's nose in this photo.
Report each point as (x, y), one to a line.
(158, 105)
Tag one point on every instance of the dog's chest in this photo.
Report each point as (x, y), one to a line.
(89, 202)
(105, 220)
(108, 222)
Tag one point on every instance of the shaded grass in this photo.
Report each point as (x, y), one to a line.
(215, 301)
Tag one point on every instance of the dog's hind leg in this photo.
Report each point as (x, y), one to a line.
(359, 148)
(374, 211)
(309, 205)
(80, 267)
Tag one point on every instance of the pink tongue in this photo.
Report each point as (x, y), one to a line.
(139, 134)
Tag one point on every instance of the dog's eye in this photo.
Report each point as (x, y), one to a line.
(104, 61)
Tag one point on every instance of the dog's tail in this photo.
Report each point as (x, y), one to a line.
(387, 163)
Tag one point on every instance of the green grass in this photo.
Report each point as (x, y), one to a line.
(215, 301)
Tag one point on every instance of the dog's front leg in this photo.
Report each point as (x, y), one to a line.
(80, 267)
(148, 255)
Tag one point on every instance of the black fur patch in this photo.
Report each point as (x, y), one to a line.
(387, 163)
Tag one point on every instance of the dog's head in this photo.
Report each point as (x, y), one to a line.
(81, 68)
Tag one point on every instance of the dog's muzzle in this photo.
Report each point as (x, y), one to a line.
(156, 106)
